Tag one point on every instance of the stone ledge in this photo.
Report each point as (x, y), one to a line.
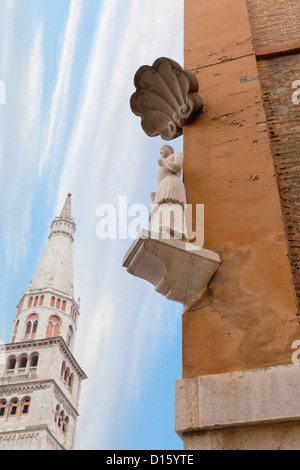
(251, 397)
(29, 432)
(179, 270)
(275, 50)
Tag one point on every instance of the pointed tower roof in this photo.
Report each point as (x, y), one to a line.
(67, 208)
(55, 270)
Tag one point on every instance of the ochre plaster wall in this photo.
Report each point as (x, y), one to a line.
(249, 317)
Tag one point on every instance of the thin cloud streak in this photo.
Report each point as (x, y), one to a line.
(93, 101)
(54, 129)
(10, 4)
(24, 124)
(33, 91)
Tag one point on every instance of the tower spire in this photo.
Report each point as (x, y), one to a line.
(40, 352)
(56, 267)
(67, 208)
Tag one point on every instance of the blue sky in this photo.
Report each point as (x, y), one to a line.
(68, 67)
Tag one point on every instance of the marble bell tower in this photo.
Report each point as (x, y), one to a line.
(40, 379)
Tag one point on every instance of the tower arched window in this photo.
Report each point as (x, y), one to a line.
(41, 300)
(23, 362)
(13, 407)
(64, 305)
(56, 413)
(30, 302)
(52, 303)
(31, 326)
(3, 406)
(28, 329)
(63, 368)
(36, 301)
(34, 360)
(69, 335)
(66, 375)
(12, 363)
(53, 326)
(58, 302)
(61, 419)
(25, 405)
(70, 382)
(34, 329)
(15, 332)
(65, 424)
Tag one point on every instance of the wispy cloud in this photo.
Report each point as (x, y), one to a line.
(32, 86)
(19, 159)
(54, 127)
(10, 4)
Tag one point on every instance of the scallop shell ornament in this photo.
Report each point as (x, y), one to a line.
(166, 98)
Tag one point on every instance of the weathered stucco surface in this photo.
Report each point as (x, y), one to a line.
(249, 317)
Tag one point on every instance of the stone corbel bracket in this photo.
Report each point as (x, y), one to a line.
(166, 98)
(179, 270)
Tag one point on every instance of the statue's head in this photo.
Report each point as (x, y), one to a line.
(166, 151)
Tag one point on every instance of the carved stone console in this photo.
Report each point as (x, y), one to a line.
(179, 270)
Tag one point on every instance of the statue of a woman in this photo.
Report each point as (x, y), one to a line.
(168, 209)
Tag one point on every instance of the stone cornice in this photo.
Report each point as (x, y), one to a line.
(18, 388)
(43, 343)
(30, 431)
(276, 50)
(48, 290)
(31, 386)
(62, 398)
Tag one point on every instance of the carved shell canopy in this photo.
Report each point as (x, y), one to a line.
(166, 98)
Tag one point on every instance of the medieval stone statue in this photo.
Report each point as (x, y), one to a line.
(168, 209)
